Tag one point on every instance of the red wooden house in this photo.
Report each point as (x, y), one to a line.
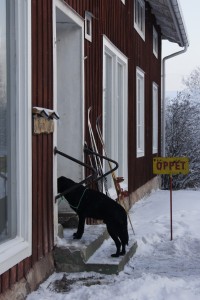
(65, 56)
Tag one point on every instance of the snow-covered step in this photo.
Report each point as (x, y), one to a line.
(70, 255)
(102, 262)
(91, 253)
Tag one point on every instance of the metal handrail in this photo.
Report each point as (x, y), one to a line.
(56, 151)
(89, 151)
(92, 177)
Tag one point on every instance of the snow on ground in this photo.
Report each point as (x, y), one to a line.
(161, 269)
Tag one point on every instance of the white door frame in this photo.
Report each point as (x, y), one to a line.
(69, 12)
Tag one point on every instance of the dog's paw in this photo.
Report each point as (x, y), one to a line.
(77, 236)
(115, 255)
(122, 253)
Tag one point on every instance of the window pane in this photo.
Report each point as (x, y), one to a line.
(108, 110)
(120, 120)
(139, 17)
(155, 118)
(88, 26)
(136, 11)
(140, 114)
(7, 211)
(155, 42)
(3, 129)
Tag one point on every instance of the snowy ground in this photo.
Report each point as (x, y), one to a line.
(160, 270)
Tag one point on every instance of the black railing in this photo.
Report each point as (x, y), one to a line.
(90, 178)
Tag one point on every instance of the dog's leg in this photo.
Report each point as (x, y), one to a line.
(116, 240)
(80, 230)
(123, 252)
(118, 246)
(123, 242)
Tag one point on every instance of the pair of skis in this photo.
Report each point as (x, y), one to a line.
(95, 161)
(98, 165)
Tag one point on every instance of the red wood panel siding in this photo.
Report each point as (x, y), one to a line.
(42, 95)
(115, 20)
(42, 183)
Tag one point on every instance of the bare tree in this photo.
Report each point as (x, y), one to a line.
(183, 134)
(192, 83)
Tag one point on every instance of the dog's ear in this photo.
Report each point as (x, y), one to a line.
(61, 183)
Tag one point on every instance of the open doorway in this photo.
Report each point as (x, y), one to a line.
(68, 93)
(69, 78)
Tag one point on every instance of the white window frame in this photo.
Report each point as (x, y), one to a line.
(139, 17)
(20, 247)
(88, 25)
(140, 116)
(155, 42)
(117, 110)
(155, 118)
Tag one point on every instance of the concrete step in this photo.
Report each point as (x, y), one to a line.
(102, 262)
(91, 253)
(70, 255)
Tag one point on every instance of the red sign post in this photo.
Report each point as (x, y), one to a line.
(170, 165)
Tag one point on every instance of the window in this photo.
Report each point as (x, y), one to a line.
(88, 26)
(155, 43)
(140, 111)
(139, 17)
(5, 231)
(115, 115)
(15, 132)
(155, 117)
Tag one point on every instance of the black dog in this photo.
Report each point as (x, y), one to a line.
(88, 203)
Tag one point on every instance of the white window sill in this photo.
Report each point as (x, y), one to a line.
(12, 252)
(155, 53)
(155, 150)
(140, 154)
(139, 31)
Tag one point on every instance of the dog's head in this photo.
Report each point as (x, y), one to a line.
(64, 184)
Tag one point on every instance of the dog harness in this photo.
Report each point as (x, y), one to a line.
(76, 207)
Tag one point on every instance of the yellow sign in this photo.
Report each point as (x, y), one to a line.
(171, 165)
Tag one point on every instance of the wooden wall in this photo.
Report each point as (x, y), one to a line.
(42, 89)
(115, 20)
(42, 95)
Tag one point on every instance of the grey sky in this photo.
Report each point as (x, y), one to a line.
(182, 65)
